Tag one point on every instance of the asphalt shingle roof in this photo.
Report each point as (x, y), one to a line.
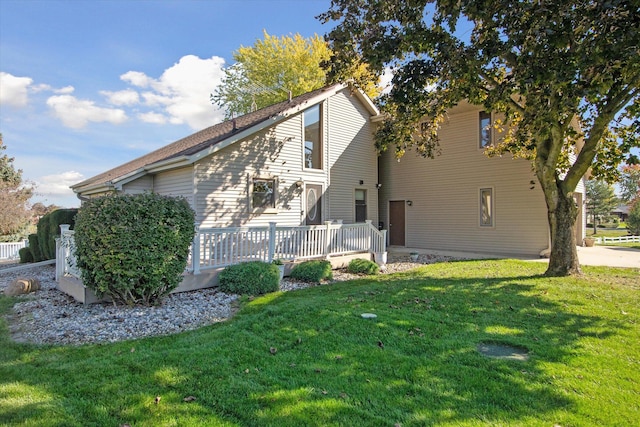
(201, 140)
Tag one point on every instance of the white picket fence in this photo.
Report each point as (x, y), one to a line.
(221, 247)
(621, 239)
(10, 250)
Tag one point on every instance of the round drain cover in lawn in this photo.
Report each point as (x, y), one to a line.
(503, 351)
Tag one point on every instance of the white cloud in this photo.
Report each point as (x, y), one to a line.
(76, 113)
(385, 81)
(65, 90)
(136, 78)
(182, 91)
(58, 184)
(122, 97)
(14, 90)
(152, 117)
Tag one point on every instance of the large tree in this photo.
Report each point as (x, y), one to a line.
(630, 183)
(561, 71)
(265, 73)
(601, 201)
(14, 214)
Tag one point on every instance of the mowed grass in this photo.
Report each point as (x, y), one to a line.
(307, 358)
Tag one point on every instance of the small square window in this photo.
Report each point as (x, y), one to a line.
(486, 207)
(263, 193)
(486, 132)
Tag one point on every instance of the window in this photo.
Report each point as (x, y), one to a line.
(486, 132)
(486, 207)
(313, 138)
(263, 194)
(361, 205)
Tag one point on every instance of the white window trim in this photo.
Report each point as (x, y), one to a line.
(492, 207)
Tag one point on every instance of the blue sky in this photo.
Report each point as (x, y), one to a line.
(88, 85)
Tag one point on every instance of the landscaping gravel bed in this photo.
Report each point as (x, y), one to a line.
(49, 316)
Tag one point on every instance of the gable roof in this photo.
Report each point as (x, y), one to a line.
(207, 141)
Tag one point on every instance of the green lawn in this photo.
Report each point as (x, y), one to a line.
(416, 364)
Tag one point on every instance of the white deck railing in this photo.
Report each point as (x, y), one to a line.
(221, 247)
(10, 250)
(621, 239)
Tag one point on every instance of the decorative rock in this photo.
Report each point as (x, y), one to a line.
(21, 286)
(368, 316)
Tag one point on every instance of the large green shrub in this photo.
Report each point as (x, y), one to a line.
(362, 266)
(633, 221)
(133, 248)
(25, 255)
(250, 278)
(34, 248)
(312, 271)
(49, 229)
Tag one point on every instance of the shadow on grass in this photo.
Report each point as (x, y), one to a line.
(309, 358)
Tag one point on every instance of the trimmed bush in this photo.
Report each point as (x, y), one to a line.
(34, 248)
(25, 255)
(312, 271)
(49, 229)
(363, 266)
(133, 248)
(250, 278)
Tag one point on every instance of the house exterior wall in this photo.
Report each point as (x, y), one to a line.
(352, 158)
(139, 185)
(445, 195)
(222, 181)
(175, 183)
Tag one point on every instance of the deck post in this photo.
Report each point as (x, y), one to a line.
(327, 246)
(195, 252)
(272, 241)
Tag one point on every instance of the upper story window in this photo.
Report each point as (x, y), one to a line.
(313, 138)
(486, 129)
(263, 195)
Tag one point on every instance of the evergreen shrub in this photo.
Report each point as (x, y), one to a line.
(250, 278)
(49, 229)
(312, 271)
(133, 248)
(363, 266)
(25, 255)
(633, 221)
(34, 248)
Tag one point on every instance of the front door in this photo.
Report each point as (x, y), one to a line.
(313, 203)
(396, 223)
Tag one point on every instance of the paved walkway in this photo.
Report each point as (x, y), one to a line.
(609, 256)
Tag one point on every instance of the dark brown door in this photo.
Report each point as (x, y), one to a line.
(313, 203)
(396, 223)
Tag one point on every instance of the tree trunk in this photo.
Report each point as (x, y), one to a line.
(564, 254)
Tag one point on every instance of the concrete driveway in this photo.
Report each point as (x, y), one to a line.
(610, 256)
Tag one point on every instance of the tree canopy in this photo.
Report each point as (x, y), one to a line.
(630, 183)
(265, 73)
(14, 214)
(562, 72)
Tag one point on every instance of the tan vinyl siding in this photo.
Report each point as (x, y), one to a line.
(175, 183)
(352, 157)
(140, 185)
(445, 195)
(222, 180)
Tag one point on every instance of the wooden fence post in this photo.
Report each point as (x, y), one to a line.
(272, 241)
(195, 252)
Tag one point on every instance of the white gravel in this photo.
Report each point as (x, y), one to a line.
(49, 316)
